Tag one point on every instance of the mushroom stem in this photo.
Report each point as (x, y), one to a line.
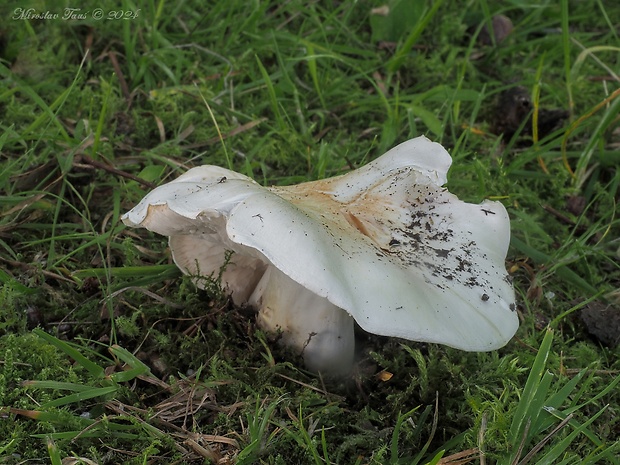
(309, 324)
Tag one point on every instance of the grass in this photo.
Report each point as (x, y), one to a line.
(108, 355)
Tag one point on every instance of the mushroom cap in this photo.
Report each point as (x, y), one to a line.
(386, 243)
(193, 211)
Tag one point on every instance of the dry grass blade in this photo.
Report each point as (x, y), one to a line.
(189, 400)
(309, 386)
(545, 440)
(145, 292)
(121, 78)
(77, 461)
(483, 427)
(191, 445)
(238, 130)
(460, 458)
(526, 430)
(204, 451)
(23, 205)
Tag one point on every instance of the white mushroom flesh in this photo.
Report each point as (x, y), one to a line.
(306, 322)
(386, 243)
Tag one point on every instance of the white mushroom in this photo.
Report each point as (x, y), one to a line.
(385, 245)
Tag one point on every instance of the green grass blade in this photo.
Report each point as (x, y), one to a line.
(80, 396)
(562, 415)
(324, 446)
(559, 397)
(535, 407)
(399, 57)
(566, 49)
(550, 457)
(604, 392)
(137, 276)
(610, 454)
(609, 118)
(101, 122)
(7, 447)
(53, 452)
(72, 352)
(7, 279)
(138, 368)
(5, 135)
(128, 272)
(48, 110)
(524, 412)
(275, 107)
(311, 59)
(58, 385)
(561, 270)
(396, 433)
(96, 433)
(435, 460)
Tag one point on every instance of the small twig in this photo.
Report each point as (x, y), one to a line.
(121, 77)
(110, 169)
(579, 228)
(560, 216)
(46, 273)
